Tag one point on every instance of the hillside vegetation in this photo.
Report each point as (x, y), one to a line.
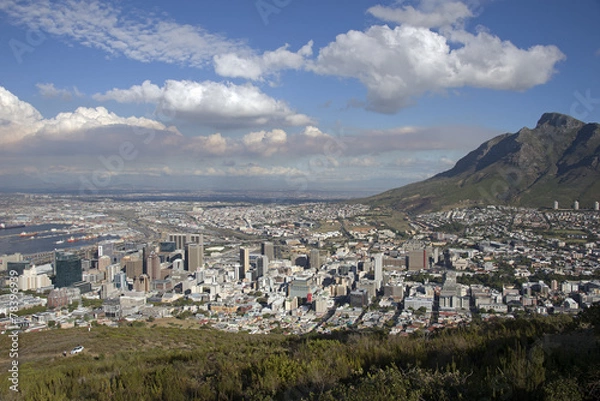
(542, 358)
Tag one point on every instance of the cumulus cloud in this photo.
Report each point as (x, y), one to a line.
(429, 13)
(49, 91)
(17, 118)
(213, 103)
(266, 143)
(255, 67)
(23, 126)
(104, 26)
(399, 64)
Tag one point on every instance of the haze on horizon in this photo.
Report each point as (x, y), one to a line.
(241, 95)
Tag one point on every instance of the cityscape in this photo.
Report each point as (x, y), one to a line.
(291, 269)
(299, 200)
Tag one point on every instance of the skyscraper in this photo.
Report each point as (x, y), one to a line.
(194, 258)
(154, 267)
(268, 250)
(245, 259)
(378, 270)
(314, 259)
(181, 240)
(68, 269)
(133, 266)
(262, 264)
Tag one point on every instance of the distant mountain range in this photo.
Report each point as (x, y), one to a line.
(557, 160)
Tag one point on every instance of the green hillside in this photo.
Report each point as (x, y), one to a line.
(552, 358)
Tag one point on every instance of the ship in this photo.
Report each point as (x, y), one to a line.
(4, 226)
(72, 239)
(26, 234)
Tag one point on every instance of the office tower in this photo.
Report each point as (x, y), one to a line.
(106, 248)
(133, 266)
(576, 205)
(120, 281)
(194, 258)
(154, 272)
(417, 260)
(314, 259)
(19, 267)
(268, 250)
(378, 270)
(262, 264)
(167, 247)
(68, 269)
(239, 272)
(141, 284)
(103, 262)
(181, 240)
(245, 259)
(555, 206)
(596, 206)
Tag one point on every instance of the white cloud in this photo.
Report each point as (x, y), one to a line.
(106, 27)
(266, 143)
(49, 91)
(255, 67)
(86, 119)
(429, 13)
(212, 145)
(211, 103)
(20, 121)
(399, 64)
(17, 118)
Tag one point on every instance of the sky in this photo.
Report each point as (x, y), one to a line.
(291, 95)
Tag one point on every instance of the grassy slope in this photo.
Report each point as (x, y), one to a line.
(505, 360)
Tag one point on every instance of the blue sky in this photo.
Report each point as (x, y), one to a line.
(279, 94)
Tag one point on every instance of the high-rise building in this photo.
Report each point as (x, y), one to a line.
(378, 265)
(262, 264)
(555, 206)
(103, 262)
(245, 259)
(141, 284)
(181, 240)
(194, 257)
(154, 272)
(314, 259)
(268, 249)
(68, 269)
(418, 259)
(133, 266)
(576, 205)
(19, 267)
(596, 206)
(120, 281)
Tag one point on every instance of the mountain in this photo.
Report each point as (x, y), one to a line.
(556, 160)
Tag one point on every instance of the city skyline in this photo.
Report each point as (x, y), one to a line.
(241, 95)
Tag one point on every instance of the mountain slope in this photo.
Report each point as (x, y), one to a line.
(556, 160)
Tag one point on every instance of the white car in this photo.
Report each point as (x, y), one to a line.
(77, 350)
